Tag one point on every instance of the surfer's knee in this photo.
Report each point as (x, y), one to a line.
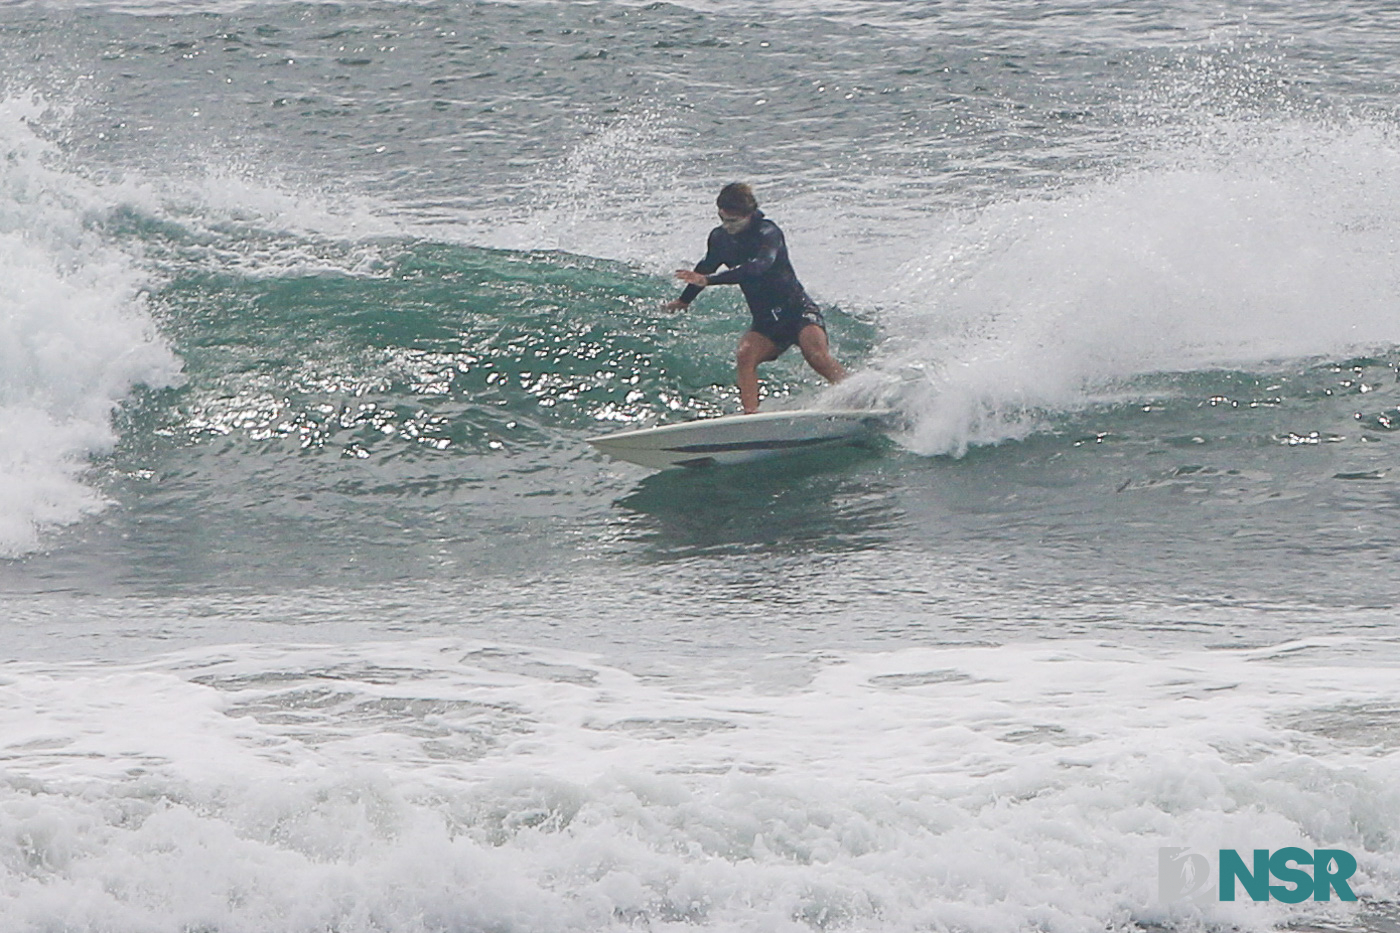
(812, 340)
(817, 352)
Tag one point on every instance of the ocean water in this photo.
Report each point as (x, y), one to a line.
(318, 613)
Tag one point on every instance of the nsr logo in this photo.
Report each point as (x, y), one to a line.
(1183, 875)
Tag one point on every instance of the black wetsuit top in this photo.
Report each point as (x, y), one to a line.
(758, 263)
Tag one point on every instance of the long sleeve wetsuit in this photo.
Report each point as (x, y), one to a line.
(758, 263)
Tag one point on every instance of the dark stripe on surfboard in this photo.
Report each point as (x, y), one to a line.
(757, 445)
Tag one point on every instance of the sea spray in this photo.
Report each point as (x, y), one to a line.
(1283, 248)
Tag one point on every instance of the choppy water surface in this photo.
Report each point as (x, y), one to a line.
(320, 613)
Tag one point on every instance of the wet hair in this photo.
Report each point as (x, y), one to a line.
(737, 198)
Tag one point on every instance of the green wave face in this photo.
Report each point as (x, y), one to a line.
(436, 393)
(445, 350)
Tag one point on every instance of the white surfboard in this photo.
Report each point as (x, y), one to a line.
(739, 438)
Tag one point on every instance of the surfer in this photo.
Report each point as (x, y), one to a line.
(753, 248)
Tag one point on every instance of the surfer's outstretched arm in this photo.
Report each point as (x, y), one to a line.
(696, 279)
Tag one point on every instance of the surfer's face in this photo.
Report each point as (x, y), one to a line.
(734, 223)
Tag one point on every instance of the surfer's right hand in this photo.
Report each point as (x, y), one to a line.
(676, 305)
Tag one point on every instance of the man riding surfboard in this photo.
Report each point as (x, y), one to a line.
(753, 249)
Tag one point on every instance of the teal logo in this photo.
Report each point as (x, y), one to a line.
(1290, 875)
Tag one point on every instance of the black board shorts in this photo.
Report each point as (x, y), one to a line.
(782, 326)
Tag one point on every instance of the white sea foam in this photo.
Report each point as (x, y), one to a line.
(74, 333)
(448, 785)
(75, 330)
(1262, 245)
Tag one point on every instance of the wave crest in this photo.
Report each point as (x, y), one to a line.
(75, 333)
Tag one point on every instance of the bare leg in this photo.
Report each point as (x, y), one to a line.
(812, 342)
(754, 348)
